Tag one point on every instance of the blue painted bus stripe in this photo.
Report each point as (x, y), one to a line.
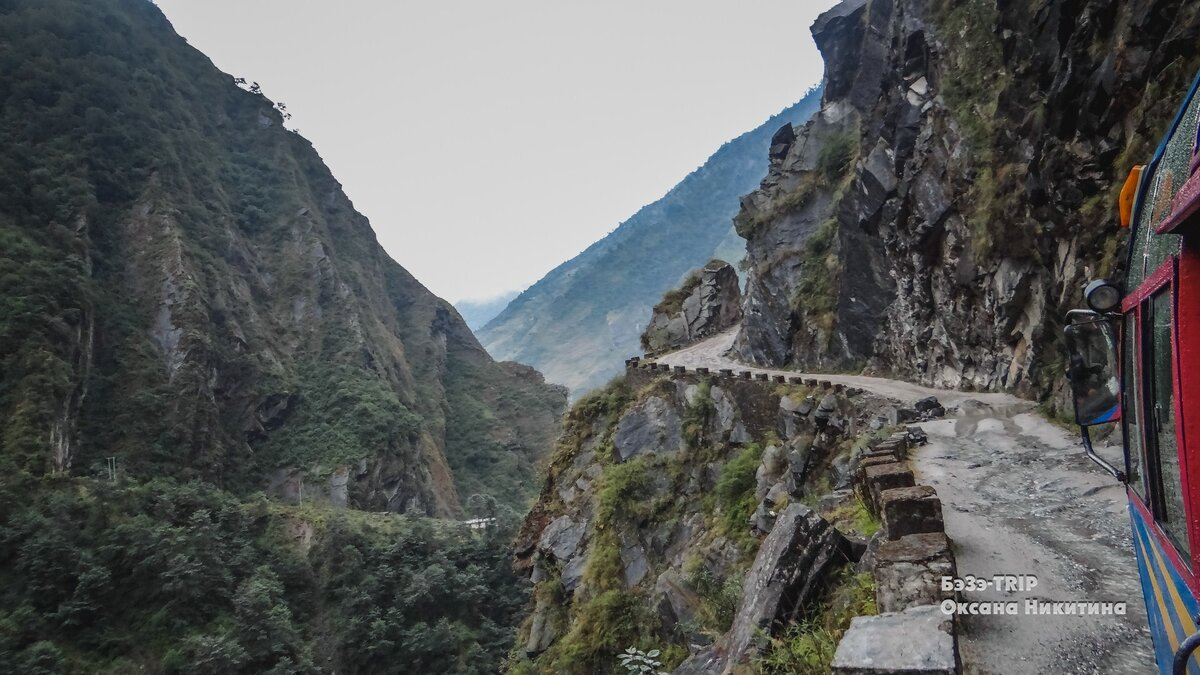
(1170, 599)
(1155, 606)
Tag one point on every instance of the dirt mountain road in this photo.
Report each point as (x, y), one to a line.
(1019, 497)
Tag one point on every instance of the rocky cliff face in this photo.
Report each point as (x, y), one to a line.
(579, 322)
(680, 513)
(941, 213)
(708, 302)
(185, 288)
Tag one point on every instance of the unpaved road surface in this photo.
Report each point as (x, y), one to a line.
(1019, 497)
(711, 354)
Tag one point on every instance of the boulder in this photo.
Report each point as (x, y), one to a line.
(908, 571)
(782, 142)
(788, 573)
(926, 404)
(916, 641)
(825, 410)
(762, 521)
(651, 427)
(916, 436)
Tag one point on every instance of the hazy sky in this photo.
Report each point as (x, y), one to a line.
(489, 141)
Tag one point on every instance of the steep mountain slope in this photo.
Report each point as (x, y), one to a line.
(191, 312)
(185, 288)
(579, 322)
(941, 213)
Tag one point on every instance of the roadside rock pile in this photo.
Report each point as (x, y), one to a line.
(928, 408)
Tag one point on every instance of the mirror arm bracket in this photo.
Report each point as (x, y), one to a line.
(1091, 453)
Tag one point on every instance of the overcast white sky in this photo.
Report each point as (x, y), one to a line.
(489, 141)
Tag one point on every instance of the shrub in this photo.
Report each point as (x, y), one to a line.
(836, 156)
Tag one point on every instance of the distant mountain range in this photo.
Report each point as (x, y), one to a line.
(579, 322)
(478, 312)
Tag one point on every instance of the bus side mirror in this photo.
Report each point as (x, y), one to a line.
(1092, 369)
(1092, 374)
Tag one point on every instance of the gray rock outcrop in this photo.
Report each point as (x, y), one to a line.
(788, 572)
(936, 219)
(652, 427)
(709, 302)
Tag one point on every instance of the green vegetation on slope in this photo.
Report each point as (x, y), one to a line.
(345, 412)
(184, 287)
(808, 647)
(183, 578)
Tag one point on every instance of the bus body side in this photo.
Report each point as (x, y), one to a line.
(1160, 383)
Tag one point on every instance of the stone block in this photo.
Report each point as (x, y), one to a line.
(746, 375)
(910, 510)
(896, 447)
(866, 462)
(882, 477)
(762, 377)
(779, 379)
(909, 570)
(796, 380)
(916, 641)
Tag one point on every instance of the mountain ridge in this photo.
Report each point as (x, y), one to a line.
(205, 299)
(601, 299)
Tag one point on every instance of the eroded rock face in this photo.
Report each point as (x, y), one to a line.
(952, 239)
(645, 524)
(653, 427)
(561, 538)
(709, 302)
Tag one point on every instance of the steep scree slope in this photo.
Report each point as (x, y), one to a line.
(579, 322)
(940, 214)
(185, 287)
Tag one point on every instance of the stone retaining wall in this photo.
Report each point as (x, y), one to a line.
(910, 634)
